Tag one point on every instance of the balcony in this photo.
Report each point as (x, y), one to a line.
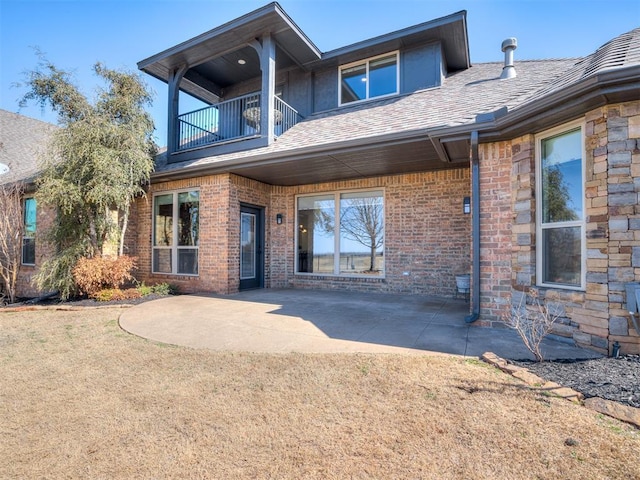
(230, 121)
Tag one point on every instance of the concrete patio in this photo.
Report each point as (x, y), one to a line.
(280, 321)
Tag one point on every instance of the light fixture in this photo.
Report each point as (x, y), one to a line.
(279, 218)
(466, 205)
(242, 61)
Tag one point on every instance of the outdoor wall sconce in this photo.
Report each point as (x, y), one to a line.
(279, 218)
(466, 205)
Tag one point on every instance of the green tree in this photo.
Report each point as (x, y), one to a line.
(101, 159)
(557, 200)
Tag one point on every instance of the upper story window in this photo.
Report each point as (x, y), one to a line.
(371, 78)
(560, 205)
(29, 232)
(176, 229)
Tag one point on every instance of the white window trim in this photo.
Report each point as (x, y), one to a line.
(367, 61)
(565, 128)
(336, 237)
(24, 210)
(174, 240)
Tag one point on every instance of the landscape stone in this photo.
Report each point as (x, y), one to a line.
(614, 409)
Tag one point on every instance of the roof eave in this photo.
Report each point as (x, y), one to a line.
(451, 30)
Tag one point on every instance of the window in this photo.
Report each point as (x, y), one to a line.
(353, 245)
(372, 78)
(560, 206)
(175, 232)
(29, 234)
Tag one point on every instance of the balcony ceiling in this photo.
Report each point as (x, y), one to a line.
(222, 47)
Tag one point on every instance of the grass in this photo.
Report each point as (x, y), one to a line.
(79, 398)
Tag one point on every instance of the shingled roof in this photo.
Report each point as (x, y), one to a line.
(460, 101)
(23, 141)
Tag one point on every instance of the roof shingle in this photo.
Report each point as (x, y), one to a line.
(23, 142)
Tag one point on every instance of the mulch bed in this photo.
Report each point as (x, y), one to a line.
(616, 379)
(81, 302)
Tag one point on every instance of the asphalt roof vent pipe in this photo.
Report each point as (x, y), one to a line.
(508, 47)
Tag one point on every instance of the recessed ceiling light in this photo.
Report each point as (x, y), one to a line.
(242, 61)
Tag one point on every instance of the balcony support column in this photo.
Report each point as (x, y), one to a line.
(174, 107)
(267, 52)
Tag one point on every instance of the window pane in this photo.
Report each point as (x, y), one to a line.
(162, 260)
(28, 251)
(188, 261)
(248, 246)
(163, 220)
(362, 233)
(383, 76)
(188, 211)
(562, 255)
(562, 178)
(354, 83)
(316, 239)
(29, 217)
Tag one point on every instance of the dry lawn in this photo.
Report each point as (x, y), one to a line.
(79, 398)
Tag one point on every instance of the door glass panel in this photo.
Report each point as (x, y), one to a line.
(247, 246)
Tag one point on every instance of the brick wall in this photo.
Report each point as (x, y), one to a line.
(249, 192)
(426, 234)
(496, 219)
(214, 234)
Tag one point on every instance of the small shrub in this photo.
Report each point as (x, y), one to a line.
(158, 289)
(102, 273)
(145, 289)
(113, 294)
(533, 321)
(164, 289)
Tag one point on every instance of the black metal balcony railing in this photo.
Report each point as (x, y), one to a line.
(230, 120)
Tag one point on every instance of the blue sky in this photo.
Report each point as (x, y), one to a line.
(74, 35)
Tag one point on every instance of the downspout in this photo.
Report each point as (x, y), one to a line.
(475, 230)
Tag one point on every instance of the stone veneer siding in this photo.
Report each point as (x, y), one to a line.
(427, 235)
(596, 317)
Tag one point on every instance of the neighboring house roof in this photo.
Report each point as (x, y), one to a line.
(475, 98)
(23, 142)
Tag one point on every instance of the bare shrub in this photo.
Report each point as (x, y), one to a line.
(533, 320)
(99, 273)
(11, 230)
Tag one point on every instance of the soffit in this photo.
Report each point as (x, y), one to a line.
(394, 158)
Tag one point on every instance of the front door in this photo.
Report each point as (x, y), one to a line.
(251, 247)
